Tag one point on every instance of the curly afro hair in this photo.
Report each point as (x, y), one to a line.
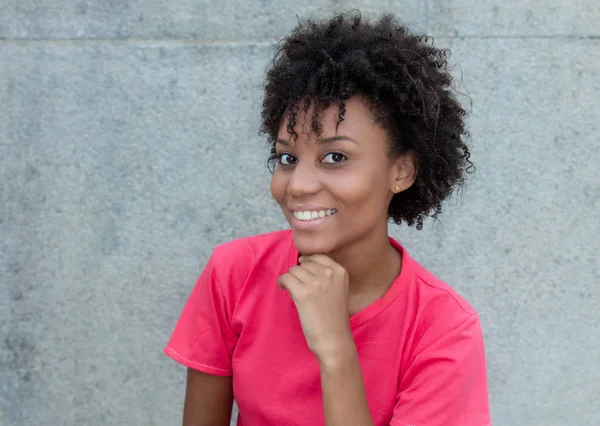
(406, 82)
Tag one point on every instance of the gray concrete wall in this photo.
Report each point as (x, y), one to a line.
(129, 148)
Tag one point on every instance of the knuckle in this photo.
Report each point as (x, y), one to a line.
(301, 294)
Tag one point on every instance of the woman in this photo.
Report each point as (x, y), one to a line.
(332, 322)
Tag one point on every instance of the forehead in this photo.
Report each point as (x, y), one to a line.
(358, 122)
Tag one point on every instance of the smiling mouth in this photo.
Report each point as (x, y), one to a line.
(306, 216)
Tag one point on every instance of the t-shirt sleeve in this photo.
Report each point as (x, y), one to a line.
(445, 383)
(203, 339)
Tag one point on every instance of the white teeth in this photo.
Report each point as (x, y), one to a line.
(314, 214)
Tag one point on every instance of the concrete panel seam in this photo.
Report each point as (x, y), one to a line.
(522, 37)
(234, 43)
(136, 41)
(517, 37)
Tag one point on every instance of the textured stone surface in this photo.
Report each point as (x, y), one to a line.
(122, 164)
(122, 167)
(514, 18)
(204, 19)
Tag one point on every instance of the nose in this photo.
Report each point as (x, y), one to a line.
(304, 180)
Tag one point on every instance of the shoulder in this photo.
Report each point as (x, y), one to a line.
(439, 295)
(438, 309)
(249, 250)
(234, 261)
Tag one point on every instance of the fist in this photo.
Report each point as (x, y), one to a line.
(319, 288)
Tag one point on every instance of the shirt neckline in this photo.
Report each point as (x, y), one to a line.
(371, 311)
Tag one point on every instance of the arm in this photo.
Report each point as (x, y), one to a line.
(203, 341)
(344, 396)
(319, 288)
(208, 399)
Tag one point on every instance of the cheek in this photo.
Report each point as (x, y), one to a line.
(278, 187)
(364, 192)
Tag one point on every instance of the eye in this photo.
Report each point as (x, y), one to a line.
(286, 159)
(334, 158)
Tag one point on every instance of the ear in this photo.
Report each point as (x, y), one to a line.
(404, 172)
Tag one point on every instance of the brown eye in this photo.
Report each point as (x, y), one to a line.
(286, 159)
(334, 158)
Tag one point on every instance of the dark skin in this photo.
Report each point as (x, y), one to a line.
(359, 184)
(208, 400)
(347, 260)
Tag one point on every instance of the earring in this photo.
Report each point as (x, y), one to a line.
(398, 188)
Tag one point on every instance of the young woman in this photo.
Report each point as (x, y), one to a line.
(332, 322)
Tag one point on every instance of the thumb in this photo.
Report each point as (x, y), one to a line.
(281, 283)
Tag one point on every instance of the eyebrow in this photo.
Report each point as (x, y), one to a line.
(324, 141)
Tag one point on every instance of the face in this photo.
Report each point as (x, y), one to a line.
(334, 189)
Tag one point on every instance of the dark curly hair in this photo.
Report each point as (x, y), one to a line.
(404, 78)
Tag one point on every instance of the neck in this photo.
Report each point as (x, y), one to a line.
(371, 262)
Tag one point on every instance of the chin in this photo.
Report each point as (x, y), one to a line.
(307, 244)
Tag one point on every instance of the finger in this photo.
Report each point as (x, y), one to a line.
(303, 274)
(327, 266)
(313, 267)
(288, 282)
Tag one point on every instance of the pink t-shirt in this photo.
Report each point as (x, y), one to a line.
(420, 346)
